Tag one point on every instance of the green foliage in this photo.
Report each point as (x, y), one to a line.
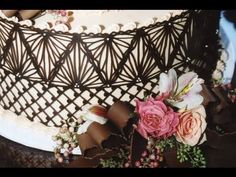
(116, 162)
(164, 144)
(193, 154)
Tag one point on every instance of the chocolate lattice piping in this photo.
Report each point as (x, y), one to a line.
(49, 76)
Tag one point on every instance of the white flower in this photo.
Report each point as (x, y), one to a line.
(65, 136)
(184, 91)
(73, 124)
(71, 129)
(59, 142)
(79, 120)
(220, 65)
(66, 145)
(217, 75)
(73, 145)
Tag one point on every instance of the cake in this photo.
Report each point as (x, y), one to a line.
(60, 62)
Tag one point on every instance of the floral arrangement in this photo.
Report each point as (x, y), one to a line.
(62, 17)
(66, 138)
(175, 118)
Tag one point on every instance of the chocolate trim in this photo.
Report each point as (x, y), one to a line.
(220, 141)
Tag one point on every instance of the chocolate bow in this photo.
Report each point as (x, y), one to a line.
(103, 141)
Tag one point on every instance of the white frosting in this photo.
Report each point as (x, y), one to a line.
(94, 29)
(103, 21)
(26, 22)
(129, 26)
(61, 27)
(32, 134)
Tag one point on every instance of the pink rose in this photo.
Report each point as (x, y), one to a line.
(192, 125)
(156, 119)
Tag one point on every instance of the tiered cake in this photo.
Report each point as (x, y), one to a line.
(60, 62)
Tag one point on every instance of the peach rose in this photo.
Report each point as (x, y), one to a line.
(192, 125)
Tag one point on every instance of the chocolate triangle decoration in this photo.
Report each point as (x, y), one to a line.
(138, 145)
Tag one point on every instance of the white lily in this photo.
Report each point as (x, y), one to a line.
(183, 92)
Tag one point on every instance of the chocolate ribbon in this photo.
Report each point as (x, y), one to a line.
(220, 112)
(102, 141)
(9, 13)
(22, 14)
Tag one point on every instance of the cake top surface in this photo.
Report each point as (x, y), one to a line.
(96, 21)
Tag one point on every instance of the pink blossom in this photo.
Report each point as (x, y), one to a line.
(156, 119)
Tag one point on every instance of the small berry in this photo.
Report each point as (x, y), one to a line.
(71, 129)
(152, 157)
(126, 164)
(155, 164)
(66, 146)
(144, 154)
(66, 153)
(137, 163)
(60, 159)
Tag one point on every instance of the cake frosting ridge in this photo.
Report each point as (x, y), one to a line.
(97, 21)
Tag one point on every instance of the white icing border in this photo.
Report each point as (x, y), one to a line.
(95, 29)
(32, 134)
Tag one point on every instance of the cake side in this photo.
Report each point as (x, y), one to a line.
(50, 76)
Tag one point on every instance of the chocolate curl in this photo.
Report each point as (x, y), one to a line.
(101, 134)
(138, 145)
(207, 95)
(217, 104)
(27, 14)
(9, 13)
(87, 145)
(221, 141)
(101, 138)
(220, 111)
(224, 101)
(120, 115)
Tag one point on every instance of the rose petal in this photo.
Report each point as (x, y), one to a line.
(194, 139)
(203, 139)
